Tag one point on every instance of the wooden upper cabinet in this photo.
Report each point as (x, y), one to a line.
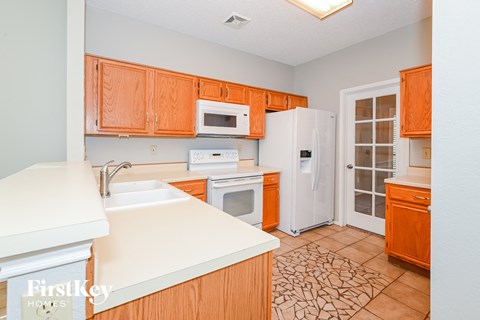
(215, 90)
(235, 93)
(210, 89)
(117, 97)
(256, 101)
(416, 102)
(277, 101)
(297, 101)
(174, 104)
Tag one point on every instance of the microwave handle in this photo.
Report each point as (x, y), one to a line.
(217, 185)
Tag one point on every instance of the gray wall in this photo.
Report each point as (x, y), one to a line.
(370, 61)
(32, 82)
(455, 173)
(115, 36)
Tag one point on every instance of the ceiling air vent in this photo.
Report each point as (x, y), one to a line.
(236, 21)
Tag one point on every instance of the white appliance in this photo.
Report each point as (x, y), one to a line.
(236, 190)
(222, 119)
(301, 142)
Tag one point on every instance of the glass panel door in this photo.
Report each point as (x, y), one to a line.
(371, 156)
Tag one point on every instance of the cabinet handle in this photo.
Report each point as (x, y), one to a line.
(221, 91)
(226, 93)
(421, 198)
(156, 119)
(147, 120)
(188, 190)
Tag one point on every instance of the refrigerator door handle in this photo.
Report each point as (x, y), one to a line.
(315, 160)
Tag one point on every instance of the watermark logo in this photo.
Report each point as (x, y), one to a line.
(75, 288)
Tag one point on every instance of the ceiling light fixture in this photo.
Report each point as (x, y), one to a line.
(321, 8)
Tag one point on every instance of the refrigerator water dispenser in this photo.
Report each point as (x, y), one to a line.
(305, 161)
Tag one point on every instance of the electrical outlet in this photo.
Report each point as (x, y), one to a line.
(153, 149)
(426, 153)
(48, 305)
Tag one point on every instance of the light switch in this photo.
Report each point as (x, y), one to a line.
(426, 153)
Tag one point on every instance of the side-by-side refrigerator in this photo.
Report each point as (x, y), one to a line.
(301, 142)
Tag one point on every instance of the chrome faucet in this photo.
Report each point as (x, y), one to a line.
(106, 177)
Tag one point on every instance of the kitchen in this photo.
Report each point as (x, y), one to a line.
(266, 74)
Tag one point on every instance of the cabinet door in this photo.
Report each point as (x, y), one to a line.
(174, 104)
(297, 101)
(416, 102)
(235, 93)
(409, 232)
(210, 90)
(271, 206)
(122, 97)
(256, 98)
(277, 101)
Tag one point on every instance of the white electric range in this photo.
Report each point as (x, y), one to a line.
(236, 190)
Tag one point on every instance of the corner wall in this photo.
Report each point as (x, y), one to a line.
(33, 55)
(370, 61)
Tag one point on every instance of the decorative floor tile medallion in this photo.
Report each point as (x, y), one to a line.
(312, 282)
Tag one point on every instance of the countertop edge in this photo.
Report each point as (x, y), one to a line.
(145, 288)
(408, 183)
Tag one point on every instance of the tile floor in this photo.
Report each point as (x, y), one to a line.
(335, 272)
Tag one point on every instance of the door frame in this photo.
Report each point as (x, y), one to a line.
(402, 160)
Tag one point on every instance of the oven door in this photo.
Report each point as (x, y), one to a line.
(241, 198)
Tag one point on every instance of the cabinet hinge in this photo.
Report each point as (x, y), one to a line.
(96, 66)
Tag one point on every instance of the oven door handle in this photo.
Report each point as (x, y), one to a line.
(217, 185)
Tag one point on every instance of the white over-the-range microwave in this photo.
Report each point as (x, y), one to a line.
(222, 119)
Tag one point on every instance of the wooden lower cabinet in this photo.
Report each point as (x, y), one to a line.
(242, 291)
(271, 201)
(196, 188)
(407, 229)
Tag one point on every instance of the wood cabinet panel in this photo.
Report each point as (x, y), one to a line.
(416, 102)
(277, 101)
(197, 188)
(210, 89)
(239, 292)
(297, 101)
(174, 104)
(121, 100)
(235, 93)
(408, 228)
(256, 101)
(271, 201)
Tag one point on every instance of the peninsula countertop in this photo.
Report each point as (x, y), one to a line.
(49, 205)
(155, 247)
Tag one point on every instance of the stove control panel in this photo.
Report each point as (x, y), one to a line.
(209, 156)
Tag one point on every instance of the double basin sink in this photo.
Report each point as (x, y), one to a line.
(133, 194)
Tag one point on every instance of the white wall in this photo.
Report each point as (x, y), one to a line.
(32, 82)
(368, 62)
(416, 154)
(119, 37)
(455, 161)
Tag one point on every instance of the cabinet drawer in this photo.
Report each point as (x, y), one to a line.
(409, 194)
(194, 187)
(272, 178)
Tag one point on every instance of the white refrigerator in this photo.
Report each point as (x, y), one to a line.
(301, 142)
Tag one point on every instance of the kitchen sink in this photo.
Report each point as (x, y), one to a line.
(141, 193)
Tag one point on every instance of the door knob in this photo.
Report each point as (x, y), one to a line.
(349, 166)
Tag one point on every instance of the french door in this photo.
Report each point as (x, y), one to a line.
(371, 154)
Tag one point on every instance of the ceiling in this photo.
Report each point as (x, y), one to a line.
(278, 31)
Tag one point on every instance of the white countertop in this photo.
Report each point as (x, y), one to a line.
(415, 177)
(49, 205)
(153, 248)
